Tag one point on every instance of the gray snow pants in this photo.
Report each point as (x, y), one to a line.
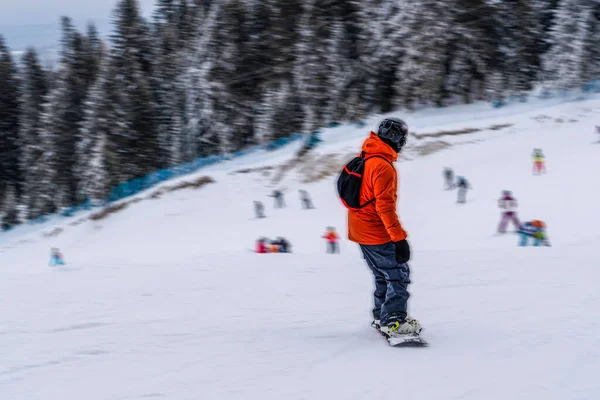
(391, 282)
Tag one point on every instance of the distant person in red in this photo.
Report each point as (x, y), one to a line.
(508, 205)
(539, 164)
(261, 246)
(332, 240)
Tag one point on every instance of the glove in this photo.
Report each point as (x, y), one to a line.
(402, 251)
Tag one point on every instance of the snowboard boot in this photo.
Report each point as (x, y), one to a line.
(408, 326)
(376, 324)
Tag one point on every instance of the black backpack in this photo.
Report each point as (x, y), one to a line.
(350, 182)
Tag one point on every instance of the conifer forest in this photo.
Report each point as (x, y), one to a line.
(206, 77)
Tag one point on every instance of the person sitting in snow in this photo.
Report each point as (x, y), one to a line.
(283, 245)
(509, 214)
(332, 239)
(56, 257)
(261, 246)
(535, 229)
(463, 185)
(539, 165)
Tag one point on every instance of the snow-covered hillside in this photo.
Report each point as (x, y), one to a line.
(164, 299)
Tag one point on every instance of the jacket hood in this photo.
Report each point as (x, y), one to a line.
(374, 145)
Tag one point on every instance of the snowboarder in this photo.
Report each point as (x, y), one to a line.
(509, 214)
(56, 257)
(463, 185)
(279, 200)
(306, 200)
(259, 209)
(332, 239)
(535, 229)
(448, 178)
(539, 165)
(375, 226)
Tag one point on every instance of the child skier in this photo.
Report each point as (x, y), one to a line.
(535, 229)
(539, 165)
(463, 185)
(56, 257)
(509, 214)
(261, 246)
(332, 240)
(448, 178)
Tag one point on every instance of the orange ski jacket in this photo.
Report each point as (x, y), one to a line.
(377, 223)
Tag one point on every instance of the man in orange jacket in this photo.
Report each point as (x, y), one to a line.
(377, 229)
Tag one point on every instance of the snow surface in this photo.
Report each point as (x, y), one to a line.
(164, 299)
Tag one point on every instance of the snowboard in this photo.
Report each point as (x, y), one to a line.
(414, 340)
(411, 340)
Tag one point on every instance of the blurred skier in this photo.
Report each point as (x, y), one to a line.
(279, 200)
(598, 133)
(539, 165)
(463, 185)
(56, 257)
(332, 240)
(259, 209)
(368, 187)
(448, 178)
(535, 229)
(509, 204)
(306, 200)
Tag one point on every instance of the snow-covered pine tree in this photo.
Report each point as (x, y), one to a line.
(422, 74)
(167, 68)
(590, 63)
(224, 126)
(132, 53)
(275, 34)
(339, 74)
(563, 63)
(389, 53)
(265, 116)
(311, 73)
(349, 13)
(520, 47)
(9, 213)
(94, 50)
(76, 71)
(10, 172)
(545, 10)
(98, 152)
(34, 91)
(474, 49)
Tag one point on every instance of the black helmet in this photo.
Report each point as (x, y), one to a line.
(393, 131)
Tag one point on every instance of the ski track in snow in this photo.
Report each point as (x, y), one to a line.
(163, 301)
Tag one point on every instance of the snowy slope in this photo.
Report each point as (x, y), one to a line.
(163, 300)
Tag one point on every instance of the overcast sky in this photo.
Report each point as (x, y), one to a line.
(34, 12)
(36, 23)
